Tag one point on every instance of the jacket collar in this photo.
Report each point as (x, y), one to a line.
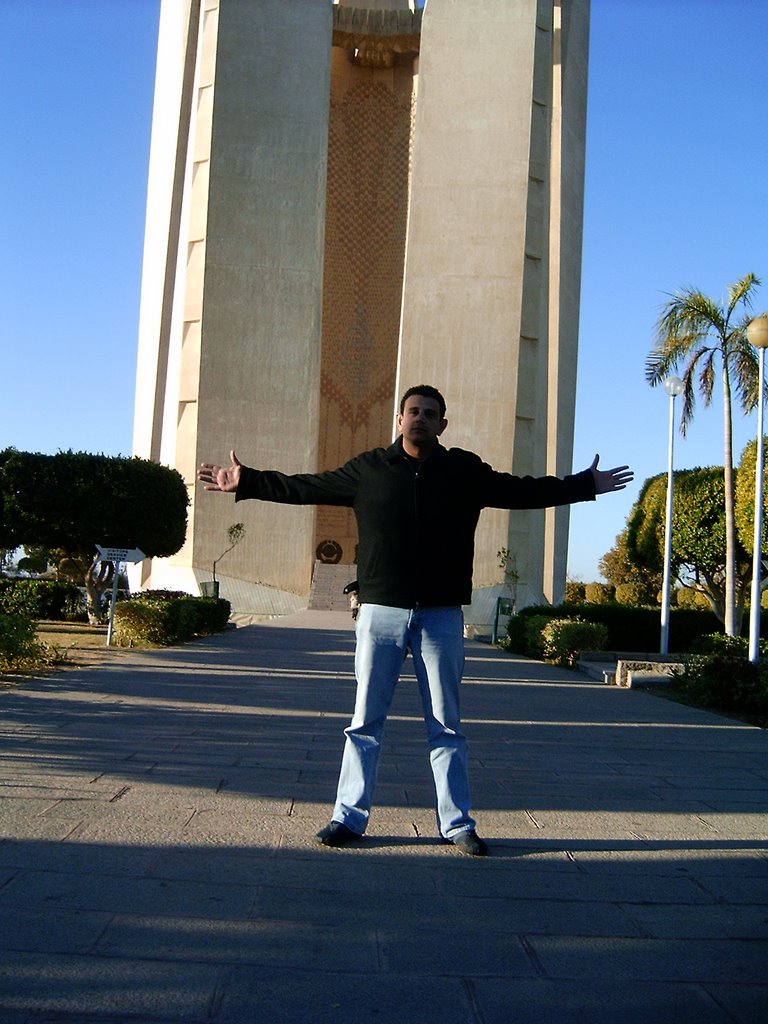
(395, 451)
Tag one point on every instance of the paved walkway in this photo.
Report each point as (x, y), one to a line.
(158, 861)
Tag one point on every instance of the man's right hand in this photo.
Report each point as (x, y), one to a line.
(220, 478)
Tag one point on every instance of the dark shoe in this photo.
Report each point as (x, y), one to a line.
(469, 843)
(336, 834)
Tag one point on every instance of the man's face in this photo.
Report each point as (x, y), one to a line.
(420, 424)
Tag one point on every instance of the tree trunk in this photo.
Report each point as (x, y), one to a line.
(97, 580)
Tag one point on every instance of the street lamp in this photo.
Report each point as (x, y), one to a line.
(757, 335)
(673, 386)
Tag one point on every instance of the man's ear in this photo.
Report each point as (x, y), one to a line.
(399, 422)
(443, 425)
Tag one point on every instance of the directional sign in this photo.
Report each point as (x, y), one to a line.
(120, 554)
(117, 555)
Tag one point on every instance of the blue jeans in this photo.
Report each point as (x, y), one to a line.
(435, 638)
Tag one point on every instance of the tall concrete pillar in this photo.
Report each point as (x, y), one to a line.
(237, 352)
(491, 291)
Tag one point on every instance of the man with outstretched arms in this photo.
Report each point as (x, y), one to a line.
(417, 505)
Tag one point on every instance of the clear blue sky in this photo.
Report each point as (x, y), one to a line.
(677, 175)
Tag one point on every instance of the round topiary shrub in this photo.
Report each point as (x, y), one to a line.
(600, 593)
(575, 592)
(563, 640)
(633, 595)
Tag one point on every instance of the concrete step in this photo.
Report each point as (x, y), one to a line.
(327, 590)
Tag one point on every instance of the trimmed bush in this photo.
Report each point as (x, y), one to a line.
(575, 592)
(563, 640)
(157, 622)
(600, 593)
(19, 648)
(635, 595)
(40, 599)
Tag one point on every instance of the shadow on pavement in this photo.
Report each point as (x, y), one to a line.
(158, 860)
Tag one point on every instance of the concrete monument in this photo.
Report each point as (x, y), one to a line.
(344, 201)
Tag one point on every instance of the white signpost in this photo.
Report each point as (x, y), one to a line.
(116, 556)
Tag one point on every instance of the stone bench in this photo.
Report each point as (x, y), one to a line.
(636, 669)
(645, 673)
(654, 676)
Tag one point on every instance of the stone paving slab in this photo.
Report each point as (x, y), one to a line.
(158, 861)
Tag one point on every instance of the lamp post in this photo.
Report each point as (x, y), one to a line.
(757, 335)
(673, 386)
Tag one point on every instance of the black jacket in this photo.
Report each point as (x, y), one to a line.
(416, 521)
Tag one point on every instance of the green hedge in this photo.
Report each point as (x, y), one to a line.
(629, 629)
(40, 599)
(157, 621)
(19, 647)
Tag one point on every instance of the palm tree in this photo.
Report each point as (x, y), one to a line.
(695, 333)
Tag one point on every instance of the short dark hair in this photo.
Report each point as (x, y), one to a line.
(426, 391)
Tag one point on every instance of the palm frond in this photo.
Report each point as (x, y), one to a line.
(741, 291)
(688, 314)
(745, 376)
(658, 366)
(706, 313)
(660, 362)
(689, 401)
(707, 378)
(689, 389)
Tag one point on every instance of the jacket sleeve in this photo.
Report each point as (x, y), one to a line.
(502, 490)
(335, 487)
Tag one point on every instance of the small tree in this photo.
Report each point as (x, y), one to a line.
(235, 533)
(508, 562)
(74, 501)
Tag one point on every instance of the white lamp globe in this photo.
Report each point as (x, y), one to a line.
(673, 386)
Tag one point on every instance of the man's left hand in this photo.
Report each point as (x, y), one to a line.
(607, 480)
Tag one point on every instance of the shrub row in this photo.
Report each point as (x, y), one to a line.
(634, 595)
(150, 621)
(40, 599)
(717, 672)
(628, 629)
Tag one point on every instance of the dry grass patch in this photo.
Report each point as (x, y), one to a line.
(79, 643)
